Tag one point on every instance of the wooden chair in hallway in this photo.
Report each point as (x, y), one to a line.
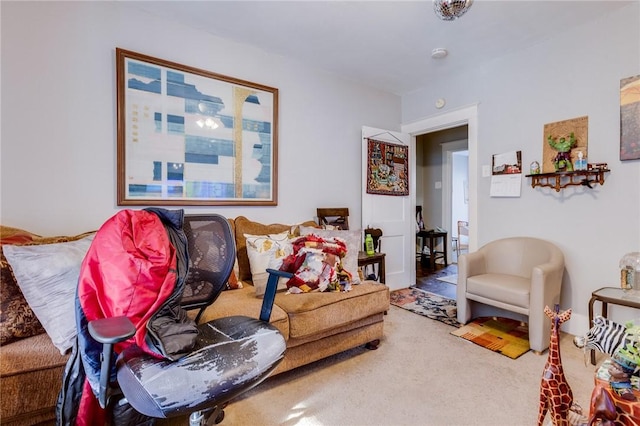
(462, 242)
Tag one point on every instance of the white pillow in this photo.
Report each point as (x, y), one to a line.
(267, 251)
(353, 238)
(48, 277)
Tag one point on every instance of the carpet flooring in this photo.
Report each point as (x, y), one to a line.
(427, 304)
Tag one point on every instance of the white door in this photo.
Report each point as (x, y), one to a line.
(393, 214)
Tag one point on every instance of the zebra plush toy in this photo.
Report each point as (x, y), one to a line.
(622, 343)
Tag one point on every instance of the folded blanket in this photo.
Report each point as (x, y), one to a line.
(316, 264)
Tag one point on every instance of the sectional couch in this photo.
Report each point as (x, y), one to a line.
(315, 325)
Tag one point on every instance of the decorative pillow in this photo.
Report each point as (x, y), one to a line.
(353, 239)
(242, 226)
(48, 276)
(266, 251)
(17, 319)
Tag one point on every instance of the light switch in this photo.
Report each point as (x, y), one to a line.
(486, 170)
(438, 185)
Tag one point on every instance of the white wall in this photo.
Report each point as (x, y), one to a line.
(572, 74)
(58, 145)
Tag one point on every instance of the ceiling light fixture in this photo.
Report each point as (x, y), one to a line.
(439, 53)
(448, 10)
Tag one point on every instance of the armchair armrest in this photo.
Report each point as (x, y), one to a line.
(270, 292)
(109, 331)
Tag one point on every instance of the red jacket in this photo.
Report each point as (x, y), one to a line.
(135, 267)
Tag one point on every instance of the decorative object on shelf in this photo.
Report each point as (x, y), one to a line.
(387, 168)
(187, 136)
(630, 271)
(559, 140)
(534, 168)
(449, 10)
(581, 162)
(630, 118)
(562, 160)
(559, 180)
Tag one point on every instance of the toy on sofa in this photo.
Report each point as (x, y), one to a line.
(622, 343)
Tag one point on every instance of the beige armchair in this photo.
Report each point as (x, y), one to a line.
(518, 274)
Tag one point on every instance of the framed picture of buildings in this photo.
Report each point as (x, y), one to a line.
(187, 136)
(630, 118)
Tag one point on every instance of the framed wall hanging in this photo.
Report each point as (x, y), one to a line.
(387, 168)
(630, 118)
(187, 136)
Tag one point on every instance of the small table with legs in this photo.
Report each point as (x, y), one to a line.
(615, 296)
(430, 239)
(373, 259)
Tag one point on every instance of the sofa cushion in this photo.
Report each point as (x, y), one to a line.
(314, 313)
(243, 302)
(353, 238)
(243, 226)
(31, 374)
(48, 276)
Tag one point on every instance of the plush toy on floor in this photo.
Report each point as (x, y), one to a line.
(555, 392)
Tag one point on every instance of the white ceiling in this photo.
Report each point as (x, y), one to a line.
(385, 44)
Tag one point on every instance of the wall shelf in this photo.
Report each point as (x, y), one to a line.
(559, 180)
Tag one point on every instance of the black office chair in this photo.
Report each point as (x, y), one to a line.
(231, 355)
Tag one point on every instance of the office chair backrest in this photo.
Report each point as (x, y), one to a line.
(334, 216)
(212, 252)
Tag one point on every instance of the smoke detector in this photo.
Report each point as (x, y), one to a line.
(439, 53)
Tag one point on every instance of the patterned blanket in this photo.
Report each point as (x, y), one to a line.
(316, 264)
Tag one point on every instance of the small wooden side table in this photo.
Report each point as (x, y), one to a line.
(430, 239)
(374, 259)
(615, 296)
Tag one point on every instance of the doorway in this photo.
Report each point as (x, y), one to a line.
(455, 191)
(466, 116)
(442, 181)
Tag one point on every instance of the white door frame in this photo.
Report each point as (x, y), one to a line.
(465, 115)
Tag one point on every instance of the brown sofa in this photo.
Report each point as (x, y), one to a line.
(315, 325)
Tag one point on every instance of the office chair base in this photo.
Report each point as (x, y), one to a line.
(208, 417)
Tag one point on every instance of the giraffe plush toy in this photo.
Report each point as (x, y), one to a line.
(555, 392)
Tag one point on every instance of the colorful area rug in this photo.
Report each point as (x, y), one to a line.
(503, 335)
(426, 304)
